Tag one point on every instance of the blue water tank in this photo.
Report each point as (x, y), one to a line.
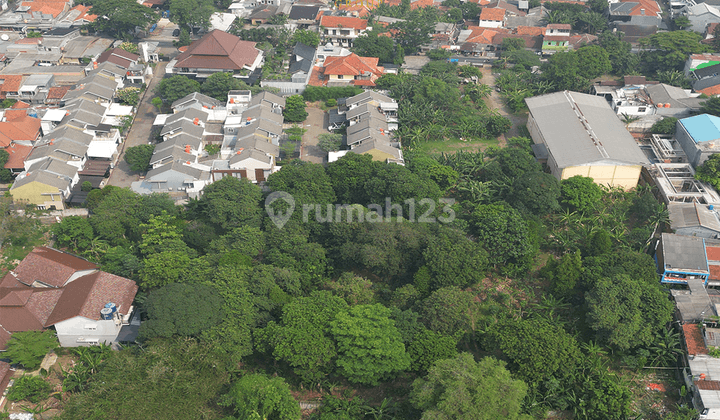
(106, 313)
(33, 114)
(711, 207)
(111, 306)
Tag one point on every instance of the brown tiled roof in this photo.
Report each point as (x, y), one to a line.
(118, 56)
(10, 83)
(87, 295)
(566, 26)
(50, 266)
(4, 337)
(708, 385)
(694, 340)
(218, 50)
(530, 30)
(57, 92)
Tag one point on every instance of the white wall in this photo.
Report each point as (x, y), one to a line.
(78, 331)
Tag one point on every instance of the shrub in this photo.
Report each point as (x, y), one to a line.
(29, 388)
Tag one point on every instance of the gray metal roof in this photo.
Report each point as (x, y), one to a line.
(171, 154)
(181, 140)
(250, 154)
(174, 166)
(55, 167)
(376, 144)
(185, 126)
(197, 97)
(268, 97)
(684, 253)
(581, 129)
(675, 96)
(259, 144)
(261, 112)
(366, 97)
(687, 215)
(59, 182)
(188, 114)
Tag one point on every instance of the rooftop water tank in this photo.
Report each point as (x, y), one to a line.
(106, 313)
(111, 306)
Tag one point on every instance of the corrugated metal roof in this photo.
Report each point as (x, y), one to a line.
(581, 129)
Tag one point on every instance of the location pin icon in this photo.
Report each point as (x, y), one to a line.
(280, 213)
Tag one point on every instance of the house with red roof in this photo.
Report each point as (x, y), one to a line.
(18, 127)
(218, 51)
(350, 70)
(492, 17)
(51, 288)
(342, 30)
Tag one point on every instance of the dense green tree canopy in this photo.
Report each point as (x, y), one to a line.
(258, 397)
(370, 348)
(122, 17)
(580, 193)
(74, 232)
(626, 311)
(669, 50)
(182, 309)
(295, 109)
(709, 171)
(464, 389)
(219, 84)
(191, 13)
(176, 87)
(138, 157)
(303, 339)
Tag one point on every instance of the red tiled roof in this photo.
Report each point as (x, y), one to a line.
(711, 91)
(694, 339)
(495, 15)
(343, 22)
(50, 266)
(530, 30)
(712, 253)
(715, 272)
(57, 92)
(363, 83)
(316, 77)
(360, 10)
(218, 50)
(47, 7)
(18, 154)
(421, 3)
(84, 15)
(20, 128)
(10, 83)
(532, 42)
(20, 105)
(481, 35)
(352, 65)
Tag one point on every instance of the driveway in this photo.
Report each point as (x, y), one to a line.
(315, 124)
(140, 132)
(495, 101)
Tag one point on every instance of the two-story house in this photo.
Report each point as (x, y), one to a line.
(342, 30)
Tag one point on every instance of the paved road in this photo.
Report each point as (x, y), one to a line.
(315, 125)
(140, 133)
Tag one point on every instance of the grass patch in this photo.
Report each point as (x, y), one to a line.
(452, 146)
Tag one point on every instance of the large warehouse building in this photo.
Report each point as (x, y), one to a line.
(580, 134)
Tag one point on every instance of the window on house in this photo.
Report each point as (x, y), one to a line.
(91, 327)
(642, 109)
(340, 76)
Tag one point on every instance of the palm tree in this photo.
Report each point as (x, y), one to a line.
(665, 348)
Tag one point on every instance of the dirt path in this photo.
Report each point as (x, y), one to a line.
(315, 125)
(140, 133)
(496, 102)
